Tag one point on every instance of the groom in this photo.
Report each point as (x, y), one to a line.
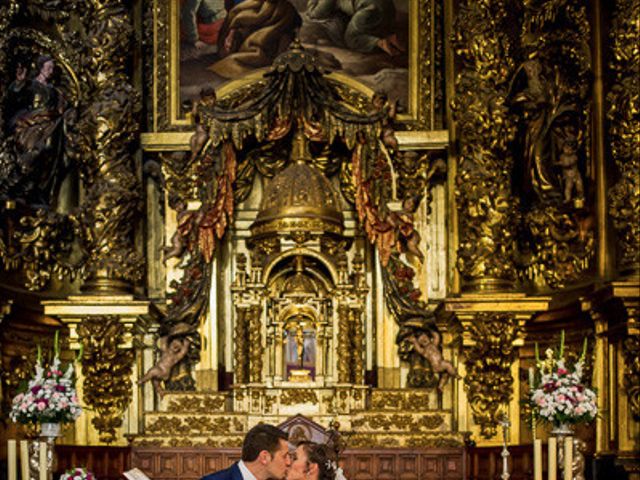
(265, 455)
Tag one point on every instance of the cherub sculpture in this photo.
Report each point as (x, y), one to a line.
(428, 345)
(408, 238)
(173, 347)
(571, 179)
(380, 104)
(185, 219)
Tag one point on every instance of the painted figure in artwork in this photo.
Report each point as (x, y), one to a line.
(201, 22)
(360, 25)
(253, 34)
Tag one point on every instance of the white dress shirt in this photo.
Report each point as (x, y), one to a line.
(246, 474)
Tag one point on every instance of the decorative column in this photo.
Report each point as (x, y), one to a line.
(256, 347)
(358, 347)
(624, 210)
(343, 349)
(624, 118)
(104, 135)
(241, 347)
(487, 210)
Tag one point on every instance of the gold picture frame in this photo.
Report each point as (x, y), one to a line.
(425, 82)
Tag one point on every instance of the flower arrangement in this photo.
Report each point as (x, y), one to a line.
(50, 396)
(77, 474)
(558, 394)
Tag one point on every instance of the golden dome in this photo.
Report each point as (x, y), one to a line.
(299, 284)
(300, 198)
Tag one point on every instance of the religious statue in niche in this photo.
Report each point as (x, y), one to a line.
(550, 141)
(300, 351)
(35, 112)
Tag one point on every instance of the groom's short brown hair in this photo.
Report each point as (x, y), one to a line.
(259, 438)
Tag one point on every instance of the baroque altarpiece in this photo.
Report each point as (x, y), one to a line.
(228, 234)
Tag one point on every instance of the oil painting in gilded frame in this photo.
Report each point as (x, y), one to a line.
(222, 43)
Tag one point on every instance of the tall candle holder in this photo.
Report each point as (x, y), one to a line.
(505, 423)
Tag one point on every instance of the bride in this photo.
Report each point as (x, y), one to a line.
(313, 461)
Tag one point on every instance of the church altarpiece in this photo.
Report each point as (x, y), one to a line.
(294, 242)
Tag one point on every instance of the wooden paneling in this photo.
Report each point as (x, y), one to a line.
(485, 463)
(361, 464)
(107, 463)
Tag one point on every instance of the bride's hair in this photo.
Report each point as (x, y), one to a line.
(322, 455)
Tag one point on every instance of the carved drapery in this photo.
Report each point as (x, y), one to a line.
(488, 214)
(624, 131)
(489, 383)
(293, 96)
(107, 370)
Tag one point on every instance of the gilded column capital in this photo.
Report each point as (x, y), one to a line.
(491, 328)
(107, 330)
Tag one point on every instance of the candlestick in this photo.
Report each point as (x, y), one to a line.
(568, 458)
(43, 461)
(553, 463)
(11, 460)
(533, 413)
(24, 459)
(537, 459)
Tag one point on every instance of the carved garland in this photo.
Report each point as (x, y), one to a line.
(488, 382)
(107, 370)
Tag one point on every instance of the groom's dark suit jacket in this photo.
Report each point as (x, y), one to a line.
(231, 473)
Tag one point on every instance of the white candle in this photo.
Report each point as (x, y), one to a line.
(568, 458)
(12, 460)
(24, 459)
(553, 463)
(43, 461)
(537, 459)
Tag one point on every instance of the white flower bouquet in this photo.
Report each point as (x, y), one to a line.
(50, 396)
(78, 474)
(558, 393)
